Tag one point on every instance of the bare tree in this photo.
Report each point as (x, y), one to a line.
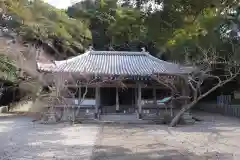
(26, 59)
(64, 93)
(64, 96)
(193, 82)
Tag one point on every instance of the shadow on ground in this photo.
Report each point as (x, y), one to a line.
(21, 138)
(215, 138)
(120, 153)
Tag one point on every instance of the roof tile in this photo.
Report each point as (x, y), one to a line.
(113, 63)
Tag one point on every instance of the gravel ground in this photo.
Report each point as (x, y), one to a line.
(22, 139)
(216, 138)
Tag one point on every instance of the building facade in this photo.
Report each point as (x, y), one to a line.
(117, 82)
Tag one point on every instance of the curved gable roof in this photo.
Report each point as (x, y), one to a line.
(114, 63)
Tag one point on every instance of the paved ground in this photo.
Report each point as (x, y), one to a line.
(21, 139)
(217, 138)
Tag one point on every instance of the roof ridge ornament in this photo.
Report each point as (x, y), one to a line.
(90, 48)
(143, 49)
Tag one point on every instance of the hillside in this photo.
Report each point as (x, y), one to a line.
(38, 22)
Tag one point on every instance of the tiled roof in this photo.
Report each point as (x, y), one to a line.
(113, 63)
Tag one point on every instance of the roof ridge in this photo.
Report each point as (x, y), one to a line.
(119, 52)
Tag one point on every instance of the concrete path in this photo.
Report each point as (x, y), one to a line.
(21, 139)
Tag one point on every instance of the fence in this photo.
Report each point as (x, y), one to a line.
(223, 106)
(224, 100)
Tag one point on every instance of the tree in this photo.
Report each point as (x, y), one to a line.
(172, 26)
(230, 27)
(99, 14)
(7, 69)
(114, 26)
(38, 22)
(183, 30)
(32, 80)
(193, 88)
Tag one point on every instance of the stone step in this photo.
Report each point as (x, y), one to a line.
(187, 114)
(152, 118)
(158, 121)
(188, 118)
(120, 117)
(189, 122)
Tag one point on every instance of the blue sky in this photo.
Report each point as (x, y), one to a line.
(61, 4)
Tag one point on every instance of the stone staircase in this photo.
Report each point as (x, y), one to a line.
(121, 118)
(154, 119)
(187, 118)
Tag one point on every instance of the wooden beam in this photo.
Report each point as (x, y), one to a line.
(139, 101)
(136, 97)
(97, 98)
(79, 95)
(117, 99)
(185, 89)
(114, 86)
(154, 95)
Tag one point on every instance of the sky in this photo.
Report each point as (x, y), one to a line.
(61, 4)
(64, 4)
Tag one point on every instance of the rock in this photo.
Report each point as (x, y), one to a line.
(3, 109)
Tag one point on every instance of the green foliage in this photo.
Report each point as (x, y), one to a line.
(8, 70)
(39, 22)
(177, 27)
(114, 26)
(128, 25)
(180, 29)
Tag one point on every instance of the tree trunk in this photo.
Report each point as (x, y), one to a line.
(176, 119)
(186, 107)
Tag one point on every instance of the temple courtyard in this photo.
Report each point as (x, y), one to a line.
(215, 138)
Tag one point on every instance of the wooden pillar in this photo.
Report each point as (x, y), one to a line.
(136, 98)
(79, 95)
(97, 98)
(185, 89)
(139, 101)
(117, 100)
(154, 95)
